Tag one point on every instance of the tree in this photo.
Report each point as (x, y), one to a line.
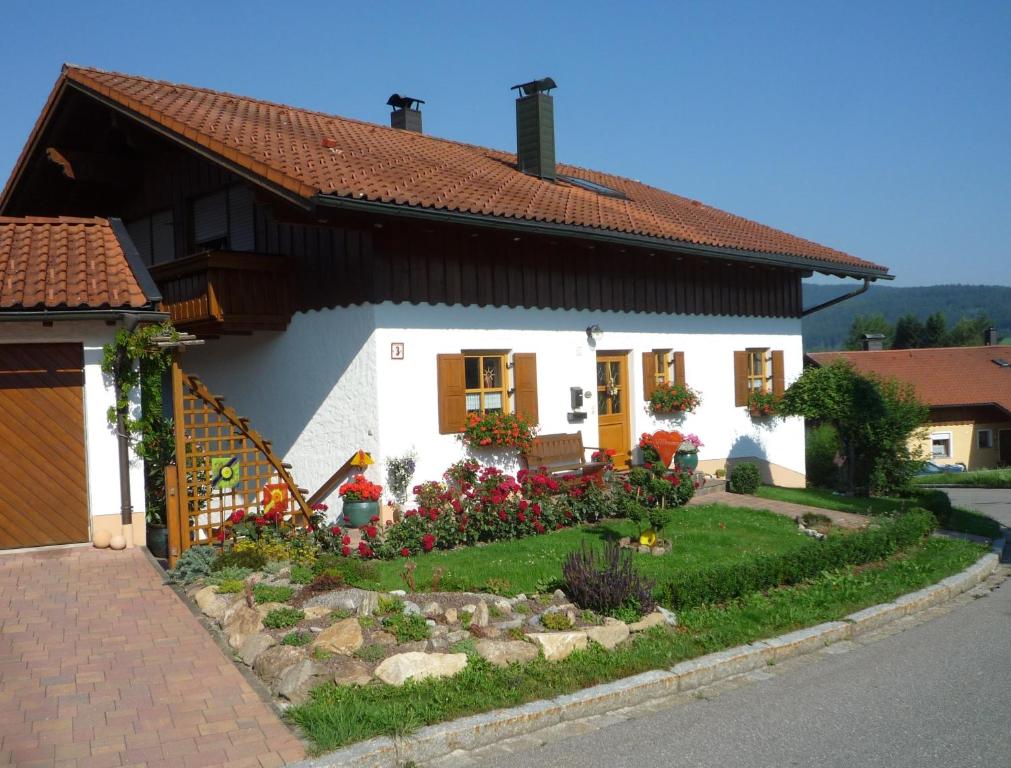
(874, 419)
(867, 324)
(935, 332)
(909, 333)
(968, 332)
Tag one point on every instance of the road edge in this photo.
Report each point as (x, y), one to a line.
(475, 731)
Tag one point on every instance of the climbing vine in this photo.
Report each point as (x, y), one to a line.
(135, 361)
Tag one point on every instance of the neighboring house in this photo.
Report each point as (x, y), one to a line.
(968, 390)
(66, 286)
(363, 286)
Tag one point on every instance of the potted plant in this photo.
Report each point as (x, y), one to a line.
(670, 398)
(762, 404)
(361, 501)
(687, 456)
(498, 430)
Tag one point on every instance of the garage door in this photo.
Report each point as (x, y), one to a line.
(43, 490)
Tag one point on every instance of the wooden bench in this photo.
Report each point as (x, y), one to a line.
(561, 453)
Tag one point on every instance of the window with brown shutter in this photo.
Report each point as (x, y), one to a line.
(778, 378)
(478, 382)
(679, 368)
(758, 369)
(452, 394)
(661, 366)
(525, 385)
(741, 377)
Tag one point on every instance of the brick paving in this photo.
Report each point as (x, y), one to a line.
(102, 665)
(785, 508)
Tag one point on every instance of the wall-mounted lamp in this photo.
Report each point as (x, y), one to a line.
(594, 332)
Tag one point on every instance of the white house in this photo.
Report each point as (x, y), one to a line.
(66, 286)
(364, 286)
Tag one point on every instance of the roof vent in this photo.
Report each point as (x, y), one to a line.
(405, 115)
(535, 128)
(990, 337)
(873, 342)
(1001, 362)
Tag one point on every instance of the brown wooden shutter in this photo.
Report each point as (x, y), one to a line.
(679, 368)
(648, 375)
(778, 380)
(740, 377)
(525, 385)
(452, 395)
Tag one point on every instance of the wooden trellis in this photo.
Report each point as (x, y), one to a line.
(222, 465)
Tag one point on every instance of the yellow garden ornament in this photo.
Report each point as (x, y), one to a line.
(362, 459)
(648, 537)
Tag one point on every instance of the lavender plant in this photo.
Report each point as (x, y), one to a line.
(606, 580)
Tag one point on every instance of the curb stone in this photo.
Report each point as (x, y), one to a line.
(468, 733)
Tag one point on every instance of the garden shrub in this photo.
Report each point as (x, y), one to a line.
(301, 574)
(279, 618)
(605, 580)
(953, 518)
(406, 627)
(372, 652)
(821, 448)
(195, 563)
(744, 478)
(230, 587)
(722, 583)
(240, 558)
(228, 573)
(556, 621)
(354, 571)
(264, 593)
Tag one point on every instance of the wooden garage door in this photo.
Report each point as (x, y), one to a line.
(43, 490)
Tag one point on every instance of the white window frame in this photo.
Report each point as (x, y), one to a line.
(989, 439)
(942, 436)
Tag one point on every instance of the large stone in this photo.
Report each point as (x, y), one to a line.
(272, 662)
(343, 637)
(504, 606)
(242, 622)
(211, 604)
(237, 605)
(654, 619)
(314, 612)
(559, 645)
(508, 624)
(609, 634)
(296, 681)
(431, 609)
(254, 646)
(382, 638)
(503, 652)
(450, 616)
(669, 617)
(411, 609)
(348, 599)
(398, 669)
(348, 671)
(457, 636)
(481, 615)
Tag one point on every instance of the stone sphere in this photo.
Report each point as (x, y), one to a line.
(118, 541)
(102, 539)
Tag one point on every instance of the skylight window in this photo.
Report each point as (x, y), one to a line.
(593, 186)
(1002, 362)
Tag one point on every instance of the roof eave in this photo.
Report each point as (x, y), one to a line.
(363, 205)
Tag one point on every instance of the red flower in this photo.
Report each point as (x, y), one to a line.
(521, 516)
(523, 505)
(370, 531)
(336, 530)
(427, 542)
(346, 540)
(237, 516)
(405, 552)
(374, 519)
(364, 549)
(502, 515)
(346, 551)
(222, 535)
(538, 527)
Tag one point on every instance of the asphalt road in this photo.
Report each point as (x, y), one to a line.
(937, 695)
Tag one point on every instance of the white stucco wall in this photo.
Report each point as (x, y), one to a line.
(102, 448)
(310, 390)
(328, 386)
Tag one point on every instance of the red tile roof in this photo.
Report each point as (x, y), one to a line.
(64, 263)
(308, 154)
(944, 376)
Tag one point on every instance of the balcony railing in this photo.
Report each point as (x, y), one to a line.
(220, 292)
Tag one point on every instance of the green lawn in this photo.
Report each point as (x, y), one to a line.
(818, 497)
(983, 478)
(707, 535)
(340, 715)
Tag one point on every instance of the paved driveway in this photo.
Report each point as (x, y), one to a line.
(102, 665)
(995, 502)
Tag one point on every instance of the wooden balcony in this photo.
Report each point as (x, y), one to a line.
(221, 292)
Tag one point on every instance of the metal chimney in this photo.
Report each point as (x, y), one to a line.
(990, 337)
(873, 342)
(535, 128)
(405, 115)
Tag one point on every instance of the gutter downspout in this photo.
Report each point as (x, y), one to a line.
(837, 299)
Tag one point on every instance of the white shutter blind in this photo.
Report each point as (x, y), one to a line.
(210, 218)
(162, 237)
(241, 234)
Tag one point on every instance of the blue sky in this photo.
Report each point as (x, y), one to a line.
(882, 129)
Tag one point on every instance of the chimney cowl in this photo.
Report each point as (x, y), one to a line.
(873, 342)
(406, 114)
(535, 128)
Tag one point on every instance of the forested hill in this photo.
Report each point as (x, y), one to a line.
(828, 328)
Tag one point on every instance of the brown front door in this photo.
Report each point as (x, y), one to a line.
(613, 404)
(43, 490)
(1004, 444)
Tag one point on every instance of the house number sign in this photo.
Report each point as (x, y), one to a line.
(397, 350)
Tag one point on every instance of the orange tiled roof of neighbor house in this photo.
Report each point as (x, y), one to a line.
(308, 153)
(64, 263)
(942, 376)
